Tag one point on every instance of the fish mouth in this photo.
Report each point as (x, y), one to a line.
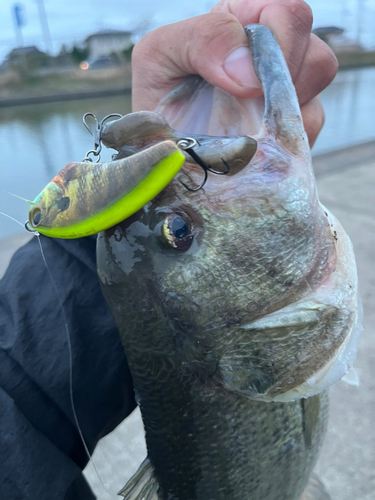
(326, 364)
(145, 129)
(332, 371)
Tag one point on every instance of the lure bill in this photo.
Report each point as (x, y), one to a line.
(85, 198)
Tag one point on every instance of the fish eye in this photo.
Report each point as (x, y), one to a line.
(63, 203)
(177, 231)
(35, 217)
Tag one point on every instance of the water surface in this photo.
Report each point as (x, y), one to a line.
(37, 141)
(349, 104)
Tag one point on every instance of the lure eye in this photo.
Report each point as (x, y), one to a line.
(35, 217)
(177, 231)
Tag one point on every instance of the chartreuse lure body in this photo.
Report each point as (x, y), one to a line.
(85, 198)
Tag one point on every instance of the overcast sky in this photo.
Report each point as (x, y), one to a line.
(70, 21)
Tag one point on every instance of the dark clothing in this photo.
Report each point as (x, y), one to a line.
(41, 453)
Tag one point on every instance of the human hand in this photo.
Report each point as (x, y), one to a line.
(215, 47)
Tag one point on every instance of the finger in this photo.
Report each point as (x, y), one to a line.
(318, 70)
(311, 62)
(289, 20)
(213, 46)
(313, 119)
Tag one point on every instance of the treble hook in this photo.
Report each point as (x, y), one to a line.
(187, 145)
(98, 131)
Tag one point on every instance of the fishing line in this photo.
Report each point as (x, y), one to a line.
(70, 365)
(16, 196)
(12, 218)
(70, 353)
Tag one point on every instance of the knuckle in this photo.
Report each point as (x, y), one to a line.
(322, 119)
(139, 51)
(149, 45)
(331, 64)
(214, 25)
(213, 34)
(136, 54)
(189, 40)
(313, 118)
(328, 63)
(317, 125)
(145, 46)
(319, 113)
(302, 11)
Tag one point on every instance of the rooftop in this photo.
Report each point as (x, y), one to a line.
(109, 32)
(20, 51)
(328, 30)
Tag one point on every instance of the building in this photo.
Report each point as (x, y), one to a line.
(105, 42)
(30, 58)
(328, 33)
(336, 39)
(29, 51)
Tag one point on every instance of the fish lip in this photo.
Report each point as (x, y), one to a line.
(323, 376)
(326, 376)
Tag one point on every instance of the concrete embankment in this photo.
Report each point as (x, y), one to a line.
(67, 96)
(350, 60)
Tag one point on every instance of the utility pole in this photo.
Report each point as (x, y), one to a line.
(19, 22)
(360, 16)
(344, 13)
(44, 25)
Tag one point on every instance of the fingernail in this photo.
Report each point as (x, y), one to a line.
(239, 67)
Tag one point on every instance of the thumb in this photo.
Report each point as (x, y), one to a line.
(213, 46)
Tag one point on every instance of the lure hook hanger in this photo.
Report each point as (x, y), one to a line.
(31, 230)
(188, 144)
(97, 135)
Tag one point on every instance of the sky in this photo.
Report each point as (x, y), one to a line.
(70, 21)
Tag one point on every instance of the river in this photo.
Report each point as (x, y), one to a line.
(36, 141)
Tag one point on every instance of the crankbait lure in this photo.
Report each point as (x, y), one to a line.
(87, 197)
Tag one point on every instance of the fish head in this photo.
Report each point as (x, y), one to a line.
(48, 206)
(249, 283)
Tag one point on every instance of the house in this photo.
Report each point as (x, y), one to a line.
(337, 40)
(21, 53)
(27, 57)
(105, 42)
(30, 51)
(328, 33)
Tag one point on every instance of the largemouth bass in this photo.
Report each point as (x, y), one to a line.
(236, 304)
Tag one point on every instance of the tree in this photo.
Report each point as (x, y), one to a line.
(127, 53)
(79, 54)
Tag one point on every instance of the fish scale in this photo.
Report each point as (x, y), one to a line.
(226, 443)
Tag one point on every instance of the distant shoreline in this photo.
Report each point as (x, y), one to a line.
(354, 60)
(63, 96)
(347, 61)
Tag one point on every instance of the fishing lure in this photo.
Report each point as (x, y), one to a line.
(87, 197)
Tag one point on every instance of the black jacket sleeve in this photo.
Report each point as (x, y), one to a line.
(41, 453)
